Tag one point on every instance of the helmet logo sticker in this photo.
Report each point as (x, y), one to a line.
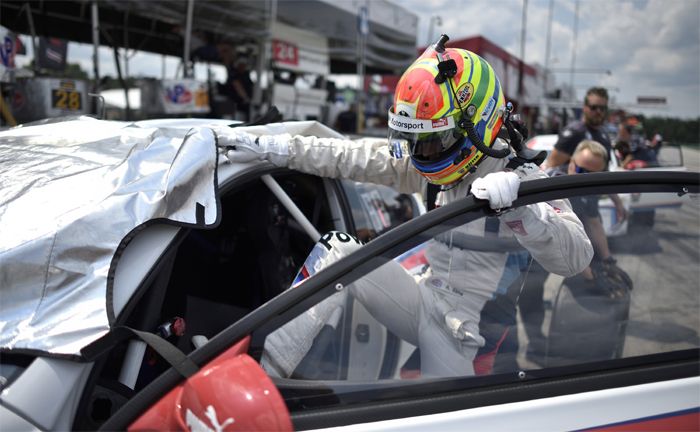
(440, 122)
(489, 109)
(464, 93)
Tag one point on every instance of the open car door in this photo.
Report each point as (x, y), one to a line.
(650, 380)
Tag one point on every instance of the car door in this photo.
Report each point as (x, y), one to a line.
(641, 371)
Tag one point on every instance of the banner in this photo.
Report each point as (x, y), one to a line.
(8, 49)
(184, 96)
(52, 53)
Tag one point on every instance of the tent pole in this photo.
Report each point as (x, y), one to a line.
(126, 45)
(32, 30)
(187, 71)
(95, 51)
(263, 44)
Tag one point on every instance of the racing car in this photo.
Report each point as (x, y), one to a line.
(641, 208)
(145, 280)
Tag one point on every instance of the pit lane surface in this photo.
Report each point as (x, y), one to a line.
(663, 263)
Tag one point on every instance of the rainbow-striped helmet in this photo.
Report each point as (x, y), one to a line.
(433, 118)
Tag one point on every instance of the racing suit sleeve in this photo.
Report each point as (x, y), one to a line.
(550, 231)
(363, 160)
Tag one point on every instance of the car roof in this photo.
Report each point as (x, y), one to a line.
(542, 142)
(76, 191)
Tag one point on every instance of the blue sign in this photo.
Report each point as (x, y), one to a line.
(363, 21)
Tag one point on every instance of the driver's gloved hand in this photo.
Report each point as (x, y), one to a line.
(499, 188)
(610, 267)
(239, 146)
(611, 279)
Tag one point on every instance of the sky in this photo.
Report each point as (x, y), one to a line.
(651, 47)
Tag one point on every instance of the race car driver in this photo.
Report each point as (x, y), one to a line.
(448, 109)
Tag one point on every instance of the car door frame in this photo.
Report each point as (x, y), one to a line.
(540, 384)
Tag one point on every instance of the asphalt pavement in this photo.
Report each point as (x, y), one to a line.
(691, 158)
(662, 261)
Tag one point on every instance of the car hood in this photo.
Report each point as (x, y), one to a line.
(70, 194)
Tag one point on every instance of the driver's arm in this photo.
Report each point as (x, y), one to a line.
(620, 209)
(551, 232)
(363, 160)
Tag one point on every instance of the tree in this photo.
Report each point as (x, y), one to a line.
(72, 71)
(673, 129)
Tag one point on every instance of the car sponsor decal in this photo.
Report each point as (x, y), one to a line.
(196, 424)
(675, 421)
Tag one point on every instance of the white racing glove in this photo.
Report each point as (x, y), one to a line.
(499, 188)
(239, 146)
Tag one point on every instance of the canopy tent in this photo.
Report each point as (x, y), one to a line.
(159, 26)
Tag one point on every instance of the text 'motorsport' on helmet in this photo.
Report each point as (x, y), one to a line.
(427, 117)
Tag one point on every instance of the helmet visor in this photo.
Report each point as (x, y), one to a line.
(426, 140)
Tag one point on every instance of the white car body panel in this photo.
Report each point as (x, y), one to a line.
(54, 408)
(570, 412)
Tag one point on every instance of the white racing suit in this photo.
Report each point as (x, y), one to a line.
(441, 313)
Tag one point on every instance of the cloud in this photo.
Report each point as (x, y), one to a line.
(652, 47)
(659, 40)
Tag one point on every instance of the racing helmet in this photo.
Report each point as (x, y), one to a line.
(448, 109)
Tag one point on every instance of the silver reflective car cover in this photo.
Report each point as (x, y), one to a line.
(70, 192)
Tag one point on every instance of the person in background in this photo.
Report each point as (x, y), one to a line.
(627, 158)
(595, 108)
(639, 144)
(347, 120)
(588, 157)
(238, 86)
(655, 143)
(443, 130)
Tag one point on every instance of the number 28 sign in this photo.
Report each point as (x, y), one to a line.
(284, 52)
(66, 97)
